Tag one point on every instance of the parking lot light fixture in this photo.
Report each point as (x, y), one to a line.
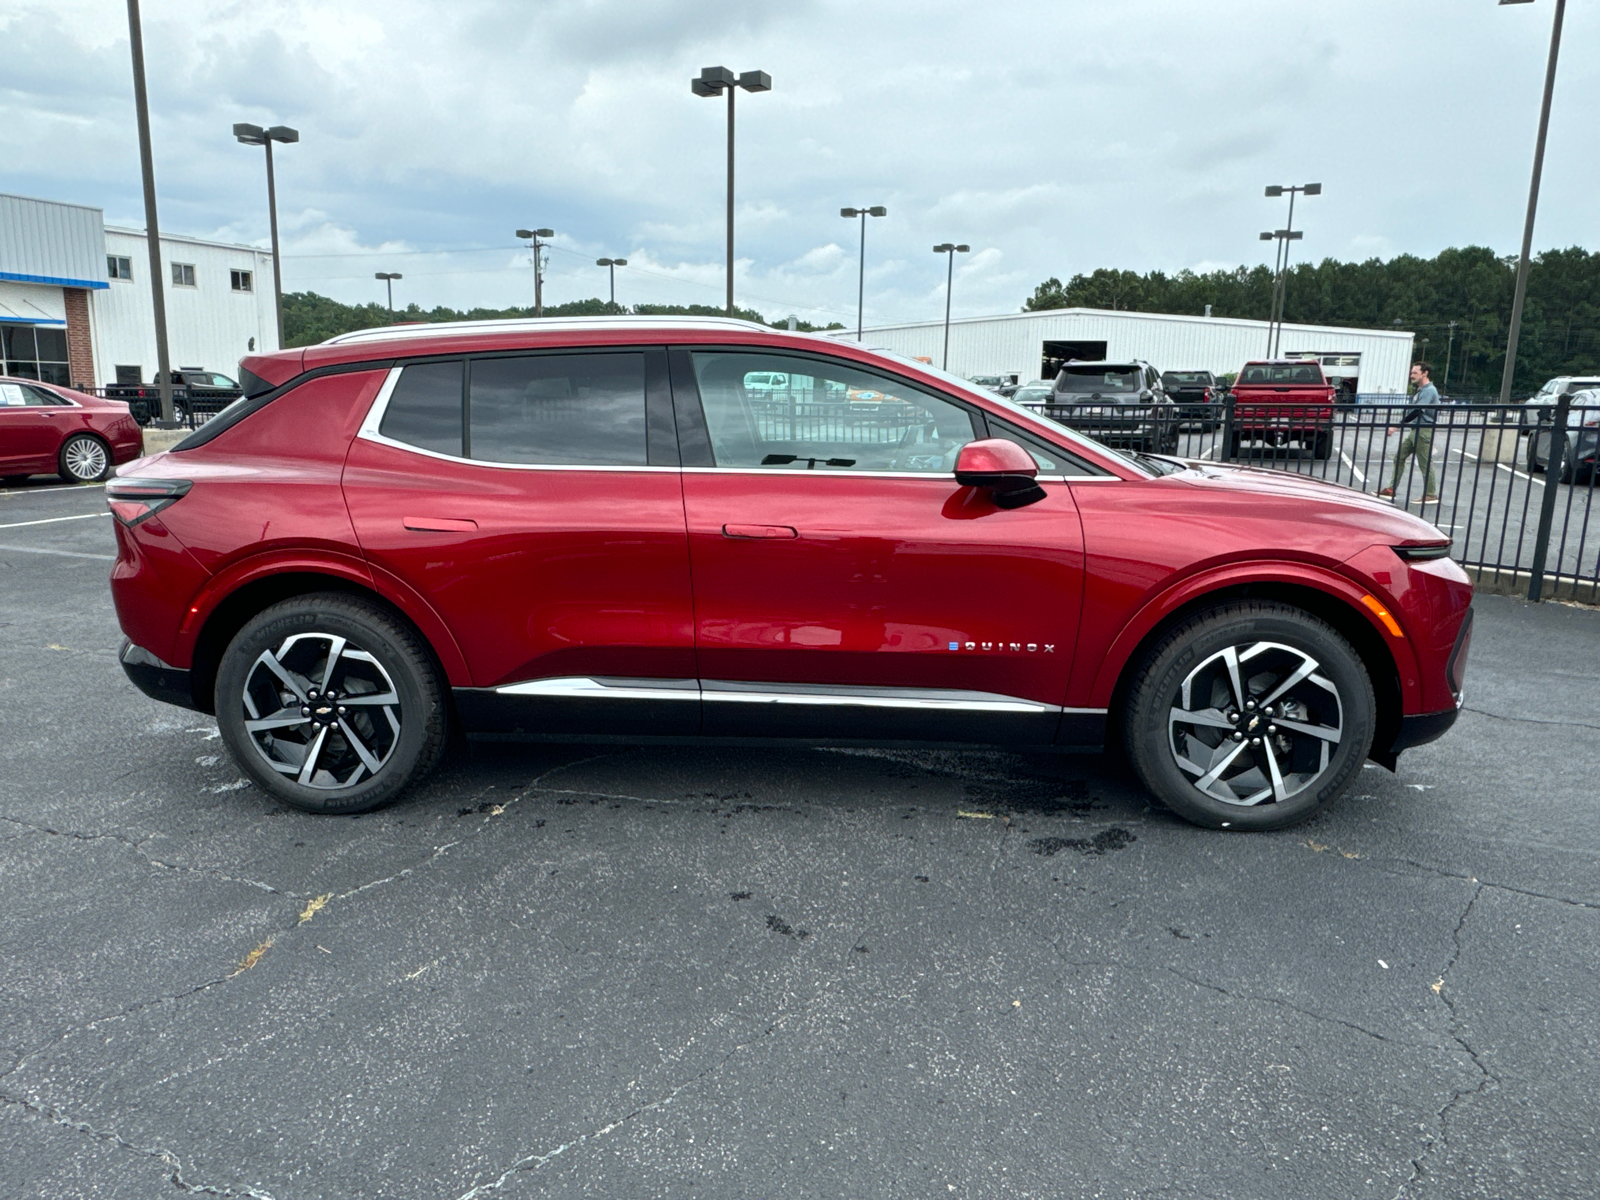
(951, 249)
(255, 135)
(1521, 291)
(713, 81)
(536, 238)
(877, 210)
(612, 264)
(388, 278)
(1280, 284)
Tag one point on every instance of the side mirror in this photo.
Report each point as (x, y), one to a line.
(1004, 469)
(1147, 395)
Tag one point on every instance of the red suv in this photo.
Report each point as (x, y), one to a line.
(662, 530)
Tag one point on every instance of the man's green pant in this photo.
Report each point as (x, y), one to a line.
(1417, 443)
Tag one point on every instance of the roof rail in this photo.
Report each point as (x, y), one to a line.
(444, 329)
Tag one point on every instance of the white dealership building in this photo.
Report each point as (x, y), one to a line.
(76, 307)
(1032, 345)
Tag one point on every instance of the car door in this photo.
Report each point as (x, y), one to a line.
(534, 503)
(33, 424)
(844, 584)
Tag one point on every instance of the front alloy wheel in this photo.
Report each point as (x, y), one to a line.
(1252, 715)
(330, 703)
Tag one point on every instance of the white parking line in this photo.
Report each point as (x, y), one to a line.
(1500, 466)
(1352, 467)
(60, 487)
(53, 520)
(57, 553)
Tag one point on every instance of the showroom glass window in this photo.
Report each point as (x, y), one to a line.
(35, 352)
(783, 413)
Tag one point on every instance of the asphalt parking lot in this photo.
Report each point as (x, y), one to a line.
(582, 971)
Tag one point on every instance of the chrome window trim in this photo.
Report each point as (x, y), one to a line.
(581, 687)
(846, 473)
(380, 404)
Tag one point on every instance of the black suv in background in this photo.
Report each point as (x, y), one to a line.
(1197, 396)
(194, 390)
(1120, 403)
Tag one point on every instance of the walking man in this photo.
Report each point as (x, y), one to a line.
(1416, 440)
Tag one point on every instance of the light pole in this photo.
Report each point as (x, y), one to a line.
(713, 80)
(1310, 189)
(536, 237)
(147, 167)
(950, 249)
(1283, 238)
(1533, 201)
(254, 135)
(612, 264)
(877, 210)
(388, 278)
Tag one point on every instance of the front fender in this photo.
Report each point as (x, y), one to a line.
(1185, 591)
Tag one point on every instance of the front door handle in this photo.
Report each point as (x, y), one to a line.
(760, 531)
(439, 525)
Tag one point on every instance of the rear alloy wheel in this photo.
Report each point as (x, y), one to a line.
(330, 703)
(84, 459)
(1253, 715)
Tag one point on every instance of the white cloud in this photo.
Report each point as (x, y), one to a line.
(1054, 137)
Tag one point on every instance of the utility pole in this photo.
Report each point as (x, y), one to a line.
(536, 236)
(1533, 203)
(141, 105)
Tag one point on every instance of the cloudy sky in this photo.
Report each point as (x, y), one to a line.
(1054, 137)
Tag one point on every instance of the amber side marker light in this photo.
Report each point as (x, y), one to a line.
(1382, 613)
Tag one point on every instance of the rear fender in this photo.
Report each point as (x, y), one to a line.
(1197, 587)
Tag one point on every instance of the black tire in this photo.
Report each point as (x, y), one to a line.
(1322, 445)
(15, 480)
(1194, 653)
(299, 634)
(1232, 451)
(1535, 467)
(84, 458)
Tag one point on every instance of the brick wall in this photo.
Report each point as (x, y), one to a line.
(80, 352)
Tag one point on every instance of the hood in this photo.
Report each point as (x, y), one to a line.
(1303, 494)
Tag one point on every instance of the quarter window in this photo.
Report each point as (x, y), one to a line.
(182, 274)
(558, 410)
(425, 408)
(824, 416)
(242, 281)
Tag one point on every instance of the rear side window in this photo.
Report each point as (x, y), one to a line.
(425, 408)
(559, 409)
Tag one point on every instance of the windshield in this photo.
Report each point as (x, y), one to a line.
(1069, 437)
(986, 381)
(1180, 378)
(1098, 379)
(1032, 394)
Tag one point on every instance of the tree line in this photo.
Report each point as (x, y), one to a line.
(309, 318)
(1470, 287)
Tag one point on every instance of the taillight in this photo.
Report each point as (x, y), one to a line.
(135, 500)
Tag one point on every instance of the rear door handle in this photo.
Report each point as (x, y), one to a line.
(439, 525)
(760, 531)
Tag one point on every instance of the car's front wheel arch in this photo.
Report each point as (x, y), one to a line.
(1351, 624)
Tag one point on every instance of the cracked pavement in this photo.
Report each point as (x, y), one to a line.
(585, 971)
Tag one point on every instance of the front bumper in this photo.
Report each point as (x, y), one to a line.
(1417, 730)
(155, 678)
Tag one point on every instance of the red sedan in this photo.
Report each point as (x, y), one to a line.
(618, 530)
(51, 430)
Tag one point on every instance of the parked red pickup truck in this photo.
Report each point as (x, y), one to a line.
(1279, 401)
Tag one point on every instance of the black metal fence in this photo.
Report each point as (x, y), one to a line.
(1513, 486)
(191, 409)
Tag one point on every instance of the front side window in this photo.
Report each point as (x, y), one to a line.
(119, 266)
(830, 416)
(182, 274)
(242, 281)
(558, 410)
